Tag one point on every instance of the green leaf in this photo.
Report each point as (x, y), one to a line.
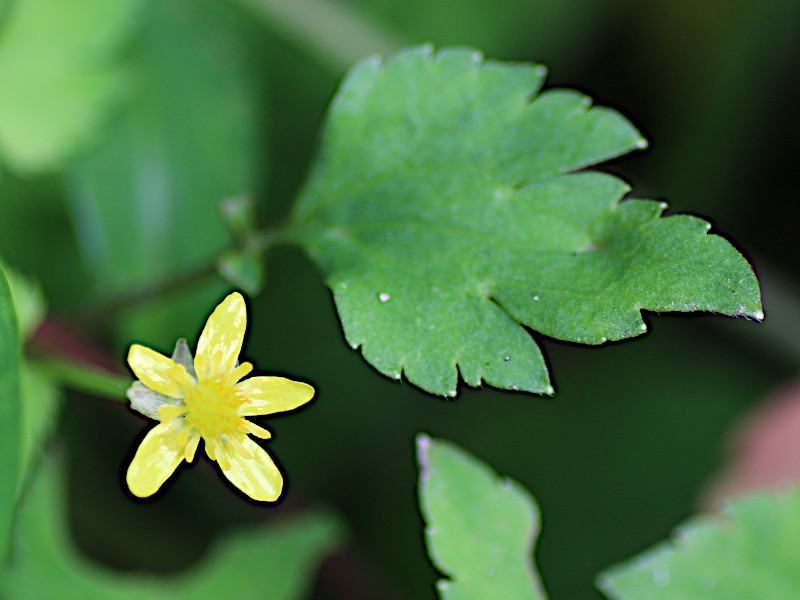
(9, 412)
(146, 200)
(274, 562)
(752, 554)
(29, 302)
(449, 209)
(59, 77)
(480, 528)
(40, 401)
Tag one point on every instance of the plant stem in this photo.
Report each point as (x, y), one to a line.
(84, 378)
(337, 35)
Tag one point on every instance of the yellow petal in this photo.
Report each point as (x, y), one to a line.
(268, 395)
(156, 459)
(239, 372)
(191, 446)
(257, 431)
(221, 340)
(258, 477)
(157, 371)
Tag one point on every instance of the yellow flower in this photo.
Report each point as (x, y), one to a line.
(204, 398)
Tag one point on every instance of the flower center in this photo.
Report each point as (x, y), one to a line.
(214, 407)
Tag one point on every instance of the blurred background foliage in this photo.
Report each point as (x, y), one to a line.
(123, 124)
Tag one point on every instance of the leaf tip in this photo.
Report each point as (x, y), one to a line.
(424, 443)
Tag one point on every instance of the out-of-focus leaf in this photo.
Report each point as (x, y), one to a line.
(59, 76)
(145, 202)
(447, 215)
(480, 528)
(9, 412)
(752, 555)
(39, 404)
(275, 562)
(29, 302)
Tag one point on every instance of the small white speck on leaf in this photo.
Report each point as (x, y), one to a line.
(384, 297)
(536, 298)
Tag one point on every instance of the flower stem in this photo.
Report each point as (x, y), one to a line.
(84, 378)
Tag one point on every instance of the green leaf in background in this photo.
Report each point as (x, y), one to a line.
(38, 397)
(753, 554)
(447, 215)
(58, 76)
(29, 302)
(40, 400)
(480, 528)
(145, 201)
(9, 412)
(274, 561)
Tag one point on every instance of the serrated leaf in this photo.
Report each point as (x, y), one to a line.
(753, 554)
(448, 211)
(58, 76)
(480, 528)
(274, 562)
(9, 412)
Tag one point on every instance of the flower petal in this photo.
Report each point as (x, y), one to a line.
(156, 371)
(221, 340)
(258, 477)
(158, 456)
(268, 395)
